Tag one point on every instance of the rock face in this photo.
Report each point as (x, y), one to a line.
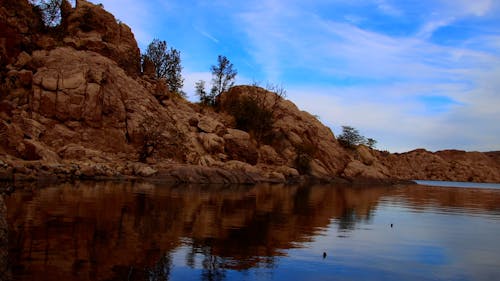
(74, 105)
(451, 165)
(90, 27)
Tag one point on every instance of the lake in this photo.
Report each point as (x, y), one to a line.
(152, 231)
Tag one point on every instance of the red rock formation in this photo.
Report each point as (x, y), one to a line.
(73, 105)
(451, 165)
(90, 27)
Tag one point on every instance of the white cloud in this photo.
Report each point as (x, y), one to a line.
(450, 11)
(400, 72)
(207, 35)
(388, 9)
(466, 7)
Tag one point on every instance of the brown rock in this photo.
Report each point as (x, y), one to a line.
(294, 131)
(212, 143)
(241, 166)
(239, 146)
(201, 174)
(356, 170)
(209, 125)
(31, 128)
(78, 152)
(268, 155)
(23, 59)
(318, 170)
(34, 150)
(93, 170)
(452, 165)
(86, 101)
(20, 79)
(17, 21)
(288, 172)
(90, 27)
(144, 171)
(365, 155)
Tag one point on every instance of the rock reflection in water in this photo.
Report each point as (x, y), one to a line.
(130, 231)
(116, 230)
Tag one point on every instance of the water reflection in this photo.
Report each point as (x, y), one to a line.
(129, 231)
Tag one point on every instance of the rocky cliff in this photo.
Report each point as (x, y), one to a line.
(73, 104)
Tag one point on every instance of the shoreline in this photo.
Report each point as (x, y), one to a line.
(39, 172)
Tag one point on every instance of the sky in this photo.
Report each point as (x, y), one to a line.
(410, 74)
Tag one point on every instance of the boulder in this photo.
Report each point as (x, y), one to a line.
(78, 152)
(90, 27)
(144, 171)
(209, 125)
(201, 174)
(239, 146)
(365, 155)
(358, 170)
(268, 155)
(235, 165)
(212, 143)
(34, 150)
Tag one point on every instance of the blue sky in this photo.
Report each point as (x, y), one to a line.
(410, 74)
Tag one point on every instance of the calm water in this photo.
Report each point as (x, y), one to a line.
(459, 184)
(125, 231)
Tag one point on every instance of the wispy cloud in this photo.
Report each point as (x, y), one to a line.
(397, 80)
(206, 34)
(388, 9)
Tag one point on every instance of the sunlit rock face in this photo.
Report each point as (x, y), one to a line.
(451, 165)
(74, 104)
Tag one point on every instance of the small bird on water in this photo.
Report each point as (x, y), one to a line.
(324, 255)
(391, 225)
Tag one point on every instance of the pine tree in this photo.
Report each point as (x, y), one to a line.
(223, 76)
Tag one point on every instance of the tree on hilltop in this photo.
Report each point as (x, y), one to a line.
(351, 138)
(205, 98)
(223, 76)
(371, 143)
(167, 64)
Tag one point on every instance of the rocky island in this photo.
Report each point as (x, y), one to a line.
(77, 104)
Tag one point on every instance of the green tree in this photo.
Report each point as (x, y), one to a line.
(202, 93)
(173, 75)
(167, 63)
(350, 137)
(223, 76)
(156, 53)
(371, 143)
